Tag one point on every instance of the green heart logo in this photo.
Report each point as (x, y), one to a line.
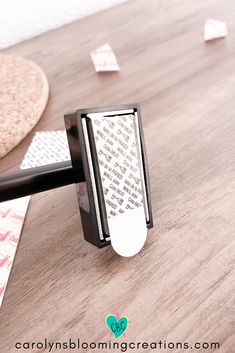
(117, 324)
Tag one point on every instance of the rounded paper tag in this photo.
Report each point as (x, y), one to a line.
(128, 232)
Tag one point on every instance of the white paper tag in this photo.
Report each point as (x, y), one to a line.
(104, 59)
(214, 29)
(128, 232)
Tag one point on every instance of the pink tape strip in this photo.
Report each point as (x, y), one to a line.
(12, 215)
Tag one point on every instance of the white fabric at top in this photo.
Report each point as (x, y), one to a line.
(23, 19)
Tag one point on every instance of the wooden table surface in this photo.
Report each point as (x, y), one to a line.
(181, 286)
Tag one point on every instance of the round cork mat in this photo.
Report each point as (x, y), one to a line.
(24, 92)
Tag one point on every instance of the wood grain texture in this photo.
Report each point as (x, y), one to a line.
(181, 286)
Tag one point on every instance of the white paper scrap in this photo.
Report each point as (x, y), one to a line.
(104, 59)
(214, 29)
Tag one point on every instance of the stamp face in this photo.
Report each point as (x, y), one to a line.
(118, 158)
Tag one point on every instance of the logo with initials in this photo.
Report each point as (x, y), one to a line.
(117, 324)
